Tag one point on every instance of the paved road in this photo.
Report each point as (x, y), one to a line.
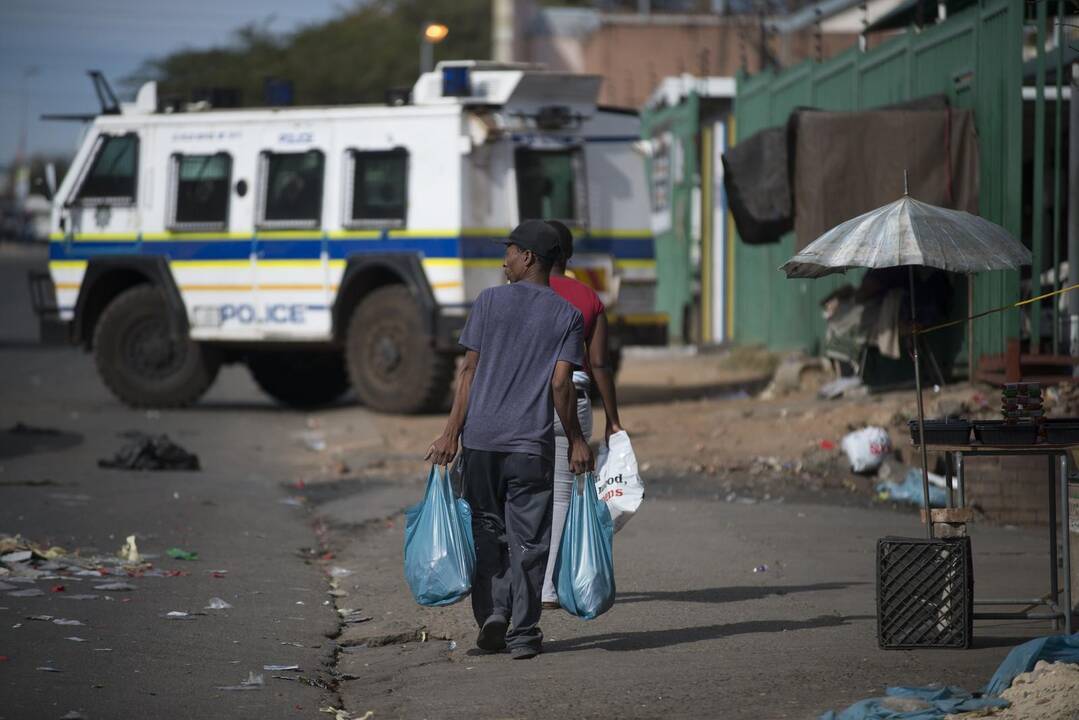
(52, 492)
(696, 633)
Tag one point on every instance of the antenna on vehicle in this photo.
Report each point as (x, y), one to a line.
(109, 104)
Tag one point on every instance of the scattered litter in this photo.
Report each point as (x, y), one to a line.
(293, 644)
(352, 617)
(217, 603)
(453, 645)
(761, 569)
(866, 448)
(46, 668)
(281, 668)
(62, 621)
(339, 572)
(40, 618)
(341, 714)
(178, 615)
(179, 554)
(75, 715)
(130, 551)
(253, 682)
(218, 573)
(75, 638)
(81, 596)
(57, 589)
(31, 592)
(16, 557)
(294, 501)
(116, 587)
(909, 490)
(102, 649)
(314, 441)
(151, 452)
(840, 387)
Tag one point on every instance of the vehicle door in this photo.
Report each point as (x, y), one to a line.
(104, 203)
(291, 296)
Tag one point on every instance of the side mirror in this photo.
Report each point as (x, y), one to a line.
(50, 180)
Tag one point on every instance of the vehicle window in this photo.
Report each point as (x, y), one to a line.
(112, 174)
(292, 194)
(547, 184)
(201, 185)
(379, 187)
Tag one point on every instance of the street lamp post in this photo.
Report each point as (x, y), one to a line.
(433, 33)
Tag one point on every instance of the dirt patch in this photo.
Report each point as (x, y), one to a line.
(1048, 692)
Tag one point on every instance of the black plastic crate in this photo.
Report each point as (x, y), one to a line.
(950, 431)
(925, 593)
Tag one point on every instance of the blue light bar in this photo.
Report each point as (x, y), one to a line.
(456, 81)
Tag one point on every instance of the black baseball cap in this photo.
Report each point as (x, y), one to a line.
(537, 236)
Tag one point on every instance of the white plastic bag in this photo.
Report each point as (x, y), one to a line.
(866, 448)
(618, 481)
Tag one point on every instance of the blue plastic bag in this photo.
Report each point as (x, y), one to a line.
(584, 568)
(440, 554)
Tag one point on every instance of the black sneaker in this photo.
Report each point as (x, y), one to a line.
(524, 653)
(492, 637)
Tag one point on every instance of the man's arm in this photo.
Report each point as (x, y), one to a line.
(599, 356)
(444, 448)
(565, 404)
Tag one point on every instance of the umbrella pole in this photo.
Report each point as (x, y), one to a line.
(921, 411)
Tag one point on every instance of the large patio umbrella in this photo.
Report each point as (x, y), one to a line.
(911, 233)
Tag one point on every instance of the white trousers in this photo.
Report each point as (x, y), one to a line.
(563, 486)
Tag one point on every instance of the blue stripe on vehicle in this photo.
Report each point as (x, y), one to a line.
(471, 247)
(288, 249)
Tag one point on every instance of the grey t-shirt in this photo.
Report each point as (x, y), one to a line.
(521, 331)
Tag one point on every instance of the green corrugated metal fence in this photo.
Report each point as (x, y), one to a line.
(975, 57)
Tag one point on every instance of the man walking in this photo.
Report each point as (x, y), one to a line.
(522, 344)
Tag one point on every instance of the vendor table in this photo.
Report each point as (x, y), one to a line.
(1058, 603)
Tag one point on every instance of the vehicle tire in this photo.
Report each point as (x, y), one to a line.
(389, 355)
(137, 359)
(300, 379)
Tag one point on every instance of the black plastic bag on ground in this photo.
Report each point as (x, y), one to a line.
(151, 452)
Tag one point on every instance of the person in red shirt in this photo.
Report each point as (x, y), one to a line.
(597, 370)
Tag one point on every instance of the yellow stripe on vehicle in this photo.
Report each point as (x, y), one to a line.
(431, 262)
(210, 264)
(67, 264)
(204, 236)
(311, 287)
(290, 263)
(288, 235)
(356, 235)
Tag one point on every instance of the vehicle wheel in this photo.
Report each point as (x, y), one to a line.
(139, 361)
(389, 355)
(300, 379)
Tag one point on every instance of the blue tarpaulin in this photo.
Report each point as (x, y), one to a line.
(937, 702)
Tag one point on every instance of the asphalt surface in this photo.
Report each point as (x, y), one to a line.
(724, 610)
(695, 632)
(135, 662)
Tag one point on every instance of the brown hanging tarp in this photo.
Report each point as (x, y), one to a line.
(849, 163)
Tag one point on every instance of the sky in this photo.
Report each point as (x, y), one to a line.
(46, 47)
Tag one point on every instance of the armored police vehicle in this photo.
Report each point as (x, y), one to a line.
(333, 246)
